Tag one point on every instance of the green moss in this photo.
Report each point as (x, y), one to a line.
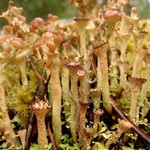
(124, 102)
(115, 90)
(130, 55)
(19, 97)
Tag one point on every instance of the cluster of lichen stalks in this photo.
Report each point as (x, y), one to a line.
(91, 64)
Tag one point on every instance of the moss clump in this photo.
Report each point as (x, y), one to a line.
(20, 97)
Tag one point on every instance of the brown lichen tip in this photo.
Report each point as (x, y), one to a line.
(21, 18)
(36, 23)
(112, 14)
(52, 17)
(98, 111)
(47, 36)
(81, 19)
(99, 47)
(40, 106)
(124, 125)
(84, 103)
(10, 3)
(141, 34)
(137, 81)
(76, 68)
(18, 43)
(111, 17)
(147, 56)
(73, 66)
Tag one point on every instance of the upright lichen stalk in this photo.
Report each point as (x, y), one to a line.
(81, 24)
(84, 86)
(73, 108)
(6, 125)
(40, 108)
(122, 128)
(114, 61)
(65, 84)
(101, 52)
(140, 52)
(55, 89)
(144, 103)
(136, 84)
(74, 100)
(124, 67)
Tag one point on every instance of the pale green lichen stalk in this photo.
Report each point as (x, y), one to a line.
(56, 93)
(101, 52)
(136, 84)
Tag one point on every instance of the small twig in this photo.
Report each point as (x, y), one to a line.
(46, 87)
(32, 117)
(41, 83)
(134, 127)
(120, 143)
(52, 137)
(29, 132)
(37, 73)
